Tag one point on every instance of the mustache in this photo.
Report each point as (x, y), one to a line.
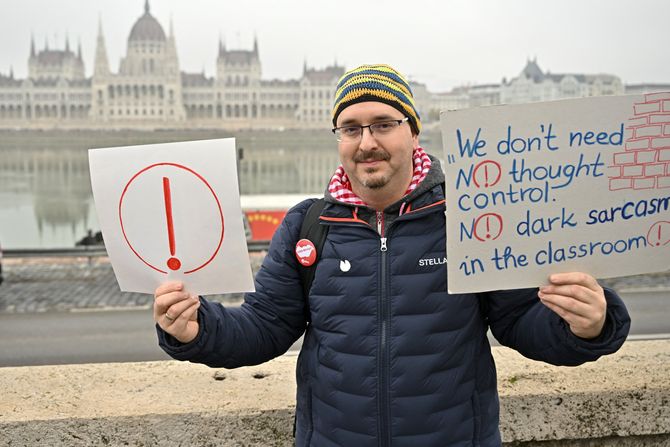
(376, 155)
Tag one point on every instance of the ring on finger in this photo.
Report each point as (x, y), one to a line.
(168, 317)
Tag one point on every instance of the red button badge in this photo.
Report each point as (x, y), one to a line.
(305, 251)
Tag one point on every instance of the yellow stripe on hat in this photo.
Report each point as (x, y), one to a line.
(376, 81)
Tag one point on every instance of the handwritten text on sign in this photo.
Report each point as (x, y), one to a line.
(574, 185)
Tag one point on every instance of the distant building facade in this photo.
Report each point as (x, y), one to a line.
(531, 85)
(150, 91)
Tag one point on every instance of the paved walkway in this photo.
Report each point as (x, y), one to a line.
(63, 284)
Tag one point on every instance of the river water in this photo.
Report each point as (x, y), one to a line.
(45, 190)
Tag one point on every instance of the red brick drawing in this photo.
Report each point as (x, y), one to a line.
(645, 163)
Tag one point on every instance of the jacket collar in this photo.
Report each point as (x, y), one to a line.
(428, 192)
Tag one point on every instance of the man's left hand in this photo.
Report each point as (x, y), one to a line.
(579, 300)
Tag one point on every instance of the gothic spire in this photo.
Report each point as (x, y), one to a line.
(101, 64)
(222, 46)
(32, 45)
(146, 6)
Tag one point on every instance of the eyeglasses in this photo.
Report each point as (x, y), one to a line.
(352, 134)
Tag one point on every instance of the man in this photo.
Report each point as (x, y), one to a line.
(389, 357)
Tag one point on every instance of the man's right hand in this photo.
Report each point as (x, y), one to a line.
(176, 311)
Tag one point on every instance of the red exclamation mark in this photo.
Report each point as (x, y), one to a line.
(659, 236)
(173, 263)
(486, 175)
(488, 228)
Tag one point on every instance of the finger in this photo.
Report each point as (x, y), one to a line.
(163, 302)
(575, 291)
(194, 315)
(580, 278)
(172, 286)
(567, 304)
(571, 319)
(174, 311)
(180, 323)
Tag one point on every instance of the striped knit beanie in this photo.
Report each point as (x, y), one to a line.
(379, 83)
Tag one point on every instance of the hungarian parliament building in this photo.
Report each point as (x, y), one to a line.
(149, 90)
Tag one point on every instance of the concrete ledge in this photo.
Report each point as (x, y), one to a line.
(621, 400)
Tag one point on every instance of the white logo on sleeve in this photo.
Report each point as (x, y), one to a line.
(345, 265)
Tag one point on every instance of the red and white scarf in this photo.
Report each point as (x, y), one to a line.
(340, 186)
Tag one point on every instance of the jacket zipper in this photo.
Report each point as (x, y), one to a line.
(384, 322)
(383, 358)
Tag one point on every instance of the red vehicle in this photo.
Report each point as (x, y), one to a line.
(264, 212)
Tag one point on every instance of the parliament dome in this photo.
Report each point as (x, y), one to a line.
(147, 28)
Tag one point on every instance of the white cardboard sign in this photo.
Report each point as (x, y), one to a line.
(172, 212)
(572, 185)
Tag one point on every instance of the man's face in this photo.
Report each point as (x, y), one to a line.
(377, 161)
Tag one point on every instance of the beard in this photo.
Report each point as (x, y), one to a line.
(373, 181)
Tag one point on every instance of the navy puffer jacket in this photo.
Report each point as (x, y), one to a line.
(389, 357)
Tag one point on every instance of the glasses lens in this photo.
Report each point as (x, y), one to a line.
(384, 127)
(348, 133)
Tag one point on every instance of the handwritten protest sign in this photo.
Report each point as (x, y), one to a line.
(573, 185)
(172, 212)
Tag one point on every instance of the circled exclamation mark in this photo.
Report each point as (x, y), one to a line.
(173, 263)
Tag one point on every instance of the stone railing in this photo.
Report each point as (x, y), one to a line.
(622, 400)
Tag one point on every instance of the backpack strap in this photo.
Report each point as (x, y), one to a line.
(311, 229)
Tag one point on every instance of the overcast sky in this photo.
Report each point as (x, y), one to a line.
(443, 43)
